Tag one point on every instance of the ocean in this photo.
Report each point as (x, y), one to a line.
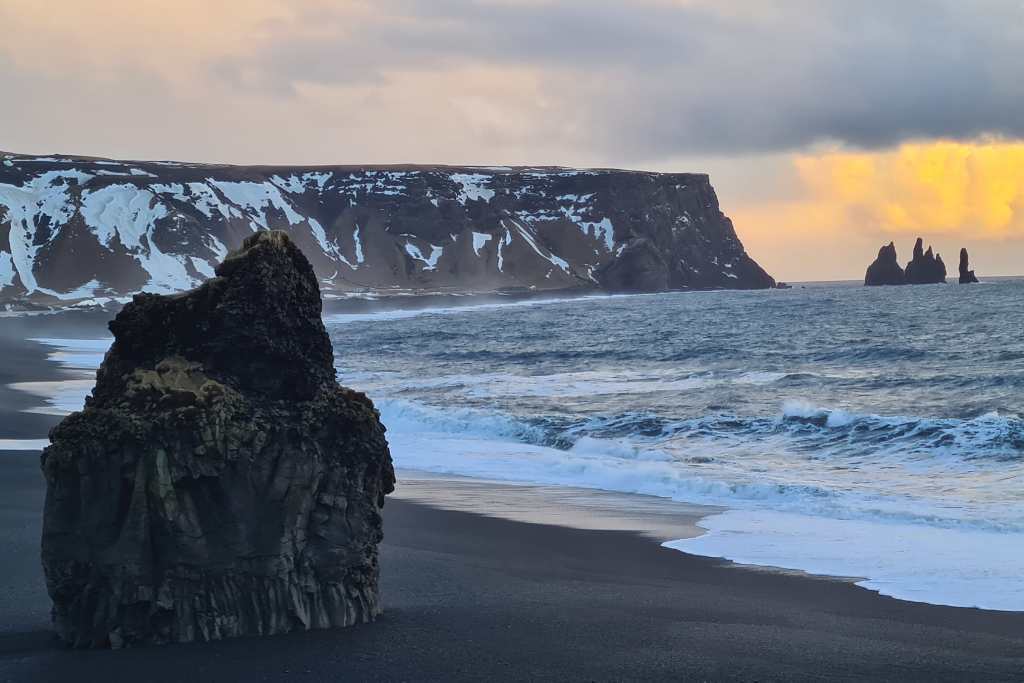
(869, 433)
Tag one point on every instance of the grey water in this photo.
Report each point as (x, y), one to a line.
(895, 407)
(846, 431)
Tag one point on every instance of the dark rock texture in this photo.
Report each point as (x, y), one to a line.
(886, 269)
(925, 268)
(967, 275)
(218, 482)
(76, 229)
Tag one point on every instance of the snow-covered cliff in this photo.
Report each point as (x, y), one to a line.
(74, 229)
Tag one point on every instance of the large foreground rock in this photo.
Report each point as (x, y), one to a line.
(218, 482)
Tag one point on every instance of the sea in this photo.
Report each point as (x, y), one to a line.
(872, 434)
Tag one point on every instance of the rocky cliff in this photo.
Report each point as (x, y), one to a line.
(885, 270)
(218, 482)
(967, 275)
(74, 229)
(925, 268)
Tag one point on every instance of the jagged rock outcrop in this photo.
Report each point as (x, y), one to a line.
(885, 270)
(218, 482)
(75, 229)
(925, 268)
(967, 275)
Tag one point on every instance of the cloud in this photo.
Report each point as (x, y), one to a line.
(653, 77)
(571, 81)
(828, 126)
(837, 207)
(975, 190)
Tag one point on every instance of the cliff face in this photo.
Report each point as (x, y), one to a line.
(218, 482)
(967, 275)
(885, 270)
(76, 229)
(926, 268)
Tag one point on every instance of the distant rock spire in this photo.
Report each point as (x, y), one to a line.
(886, 268)
(966, 275)
(926, 267)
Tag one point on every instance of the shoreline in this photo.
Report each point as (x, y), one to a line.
(481, 564)
(23, 414)
(533, 503)
(470, 596)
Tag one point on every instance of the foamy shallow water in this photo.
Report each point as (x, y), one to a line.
(23, 444)
(896, 459)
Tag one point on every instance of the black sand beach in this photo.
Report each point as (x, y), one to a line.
(473, 597)
(470, 597)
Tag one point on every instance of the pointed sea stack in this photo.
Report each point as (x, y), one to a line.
(925, 268)
(219, 482)
(966, 275)
(886, 269)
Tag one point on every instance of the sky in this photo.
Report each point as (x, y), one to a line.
(829, 127)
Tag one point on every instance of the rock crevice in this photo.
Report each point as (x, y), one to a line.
(218, 482)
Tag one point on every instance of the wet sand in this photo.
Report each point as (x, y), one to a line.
(469, 596)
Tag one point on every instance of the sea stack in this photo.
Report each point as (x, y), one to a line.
(966, 274)
(886, 269)
(925, 268)
(219, 482)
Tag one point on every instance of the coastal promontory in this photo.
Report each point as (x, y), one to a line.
(219, 482)
(84, 231)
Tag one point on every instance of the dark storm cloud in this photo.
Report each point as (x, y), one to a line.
(660, 78)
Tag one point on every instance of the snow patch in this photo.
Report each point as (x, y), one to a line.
(41, 200)
(256, 198)
(602, 230)
(503, 242)
(7, 271)
(359, 246)
(479, 240)
(203, 266)
(292, 184)
(472, 187)
(130, 213)
(318, 178)
(549, 257)
(431, 261)
(86, 291)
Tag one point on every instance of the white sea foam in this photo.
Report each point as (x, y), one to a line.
(62, 397)
(905, 552)
(79, 358)
(23, 444)
(77, 354)
(959, 567)
(400, 314)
